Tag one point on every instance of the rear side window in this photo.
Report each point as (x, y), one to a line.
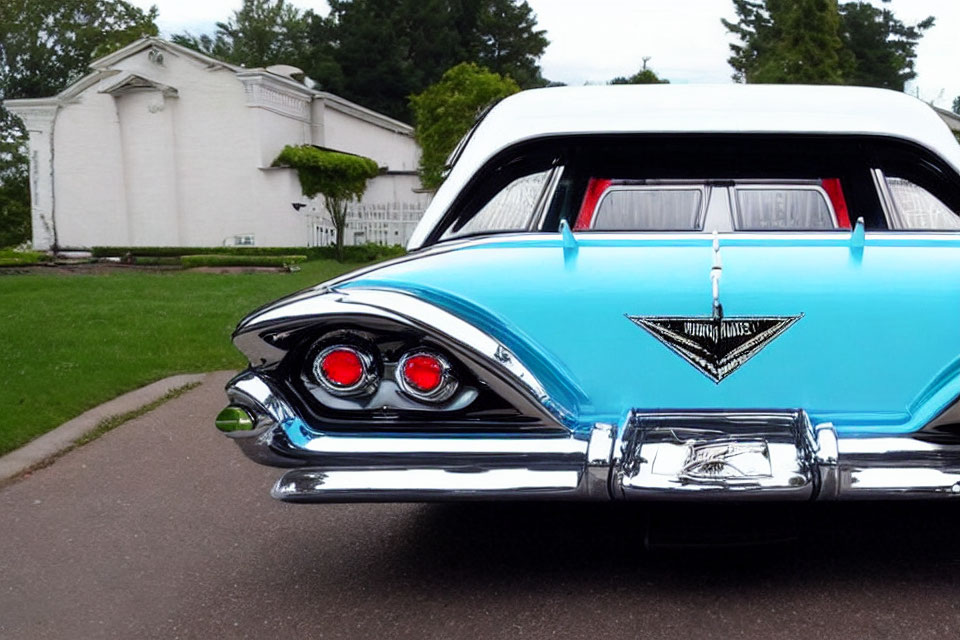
(510, 209)
(782, 209)
(916, 209)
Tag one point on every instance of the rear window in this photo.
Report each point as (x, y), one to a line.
(698, 183)
(627, 208)
(619, 205)
(782, 209)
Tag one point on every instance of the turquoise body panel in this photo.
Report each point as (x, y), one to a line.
(877, 350)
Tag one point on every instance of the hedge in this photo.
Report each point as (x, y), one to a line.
(157, 261)
(11, 258)
(358, 253)
(189, 262)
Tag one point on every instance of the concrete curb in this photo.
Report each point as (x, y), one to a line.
(66, 435)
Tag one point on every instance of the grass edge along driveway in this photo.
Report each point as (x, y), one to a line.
(71, 342)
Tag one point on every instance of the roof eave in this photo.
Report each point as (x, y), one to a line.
(369, 115)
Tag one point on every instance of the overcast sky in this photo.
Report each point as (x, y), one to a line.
(596, 41)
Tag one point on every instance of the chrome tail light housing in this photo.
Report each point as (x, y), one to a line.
(345, 370)
(426, 376)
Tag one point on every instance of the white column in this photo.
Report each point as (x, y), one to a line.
(39, 120)
(149, 162)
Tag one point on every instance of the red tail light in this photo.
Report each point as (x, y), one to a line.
(343, 369)
(423, 372)
(426, 376)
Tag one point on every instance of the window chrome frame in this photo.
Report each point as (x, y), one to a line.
(890, 213)
(546, 198)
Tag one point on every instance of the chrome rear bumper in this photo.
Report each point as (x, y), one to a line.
(674, 455)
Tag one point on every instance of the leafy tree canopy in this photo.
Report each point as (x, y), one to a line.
(45, 44)
(884, 48)
(379, 52)
(506, 40)
(14, 185)
(446, 110)
(956, 105)
(644, 76)
(331, 174)
(259, 34)
(338, 177)
(822, 42)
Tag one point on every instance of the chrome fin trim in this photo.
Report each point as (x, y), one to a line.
(492, 360)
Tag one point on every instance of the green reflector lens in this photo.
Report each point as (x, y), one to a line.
(234, 419)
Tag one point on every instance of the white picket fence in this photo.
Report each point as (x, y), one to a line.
(387, 223)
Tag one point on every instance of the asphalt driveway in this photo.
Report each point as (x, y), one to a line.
(162, 529)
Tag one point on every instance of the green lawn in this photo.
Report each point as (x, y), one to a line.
(71, 342)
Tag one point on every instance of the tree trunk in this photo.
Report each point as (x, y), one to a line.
(338, 215)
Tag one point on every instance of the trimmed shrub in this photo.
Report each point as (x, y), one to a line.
(157, 261)
(338, 177)
(189, 262)
(10, 258)
(369, 252)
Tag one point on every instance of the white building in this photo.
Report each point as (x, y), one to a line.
(162, 146)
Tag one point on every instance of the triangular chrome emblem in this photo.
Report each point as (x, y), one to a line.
(717, 346)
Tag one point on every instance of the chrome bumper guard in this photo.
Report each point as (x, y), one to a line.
(674, 455)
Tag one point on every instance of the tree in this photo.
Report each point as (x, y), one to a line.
(956, 105)
(14, 182)
(788, 41)
(380, 52)
(384, 50)
(644, 76)
(445, 111)
(506, 41)
(883, 47)
(259, 34)
(821, 42)
(340, 178)
(45, 45)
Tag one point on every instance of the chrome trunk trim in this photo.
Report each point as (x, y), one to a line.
(717, 454)
(610, 462)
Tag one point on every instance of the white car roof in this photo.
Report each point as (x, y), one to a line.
(728, 108)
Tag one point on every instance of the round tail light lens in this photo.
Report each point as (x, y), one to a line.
(423, 372)
(343, 369)
(426, 376)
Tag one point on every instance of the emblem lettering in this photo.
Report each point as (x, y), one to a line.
(716, 346)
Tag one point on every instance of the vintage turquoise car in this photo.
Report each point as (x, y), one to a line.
(657, 292)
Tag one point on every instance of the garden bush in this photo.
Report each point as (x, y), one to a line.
(12, 258)
(358, 253)
(190, 262)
